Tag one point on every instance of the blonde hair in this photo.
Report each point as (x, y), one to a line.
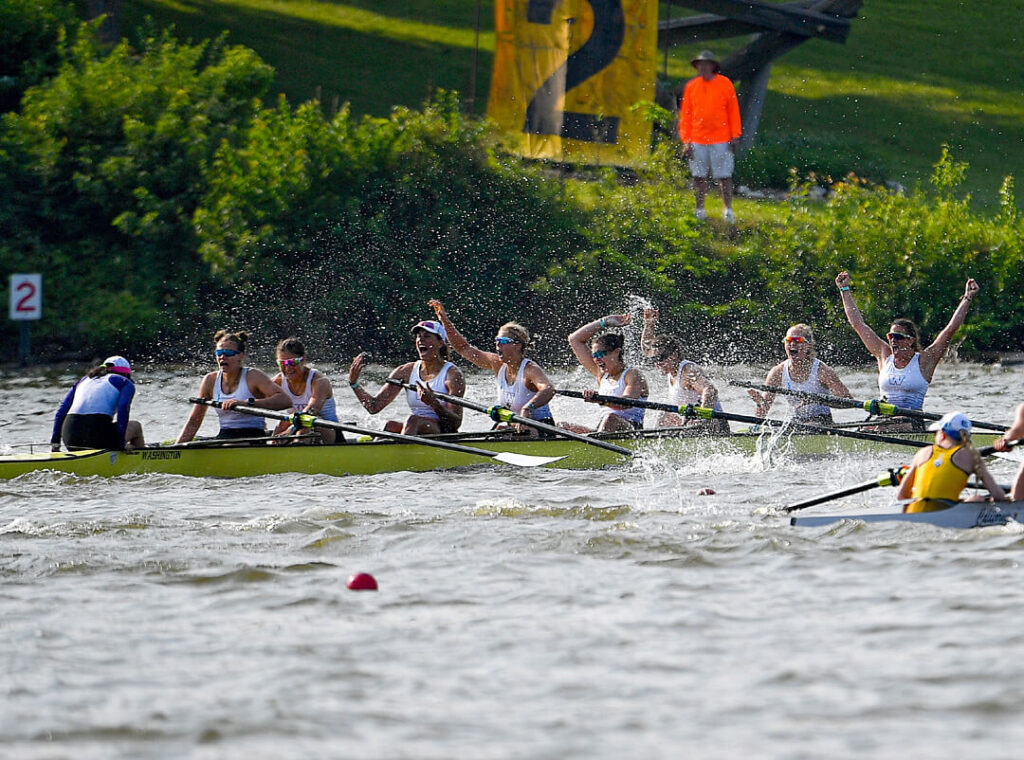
(804, 328)
(519, 333)
(808, 332)
(965, 439)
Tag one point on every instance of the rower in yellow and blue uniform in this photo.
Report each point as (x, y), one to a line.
(939, 472)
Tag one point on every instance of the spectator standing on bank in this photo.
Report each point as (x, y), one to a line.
(709, 128)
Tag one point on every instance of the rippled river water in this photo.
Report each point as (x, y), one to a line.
(522, 613)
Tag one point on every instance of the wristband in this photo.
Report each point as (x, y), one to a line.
(354, 385)
(601, 322)
(844, 289)
(251, 401)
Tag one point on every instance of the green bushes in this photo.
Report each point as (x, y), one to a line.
(162, 199)
(909, 255)
(775, 159)
(100, 174)
(31, 32)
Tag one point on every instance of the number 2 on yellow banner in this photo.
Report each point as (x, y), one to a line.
(566, 73)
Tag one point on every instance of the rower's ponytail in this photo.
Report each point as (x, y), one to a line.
(965, 438)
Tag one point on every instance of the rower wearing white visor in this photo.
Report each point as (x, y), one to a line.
(431, 372)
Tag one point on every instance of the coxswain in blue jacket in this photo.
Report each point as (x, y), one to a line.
(85, 418)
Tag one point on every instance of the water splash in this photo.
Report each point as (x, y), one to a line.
(632, 350)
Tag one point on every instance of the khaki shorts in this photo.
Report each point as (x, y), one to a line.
(716, 160)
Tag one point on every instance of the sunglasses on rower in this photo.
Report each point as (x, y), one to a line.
(898, 336)
(791, 339)
(501, 340)
(226, 352)
(290, 362)
(601, 354)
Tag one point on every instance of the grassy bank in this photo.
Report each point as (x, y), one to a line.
(908, 80)
(175, 193)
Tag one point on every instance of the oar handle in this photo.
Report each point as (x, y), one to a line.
(828, 400)
(702, 412)
(987, 451)
(308, 420)
(873, 406)
(501, 414)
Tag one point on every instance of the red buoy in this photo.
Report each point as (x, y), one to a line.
(362, 582)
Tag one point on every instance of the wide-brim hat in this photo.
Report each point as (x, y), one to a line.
(431, 326)
(118, 365)
(705, 55)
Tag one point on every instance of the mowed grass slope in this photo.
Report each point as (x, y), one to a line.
(911, 77)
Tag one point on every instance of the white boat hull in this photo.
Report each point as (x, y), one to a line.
(962, 515)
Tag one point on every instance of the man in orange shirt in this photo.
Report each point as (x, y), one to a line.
(709, 128)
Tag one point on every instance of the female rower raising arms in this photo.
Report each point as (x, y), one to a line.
(233, 384)
(802, 371)
(432, 371)
(522, 385)
(687, 383)
(309, 390)
(603, 359)
(905, 370)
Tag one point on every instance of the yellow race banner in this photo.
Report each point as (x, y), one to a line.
(566, 73)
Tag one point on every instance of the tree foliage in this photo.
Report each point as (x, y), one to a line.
(31, 35)
(102, 171)
(161, 199)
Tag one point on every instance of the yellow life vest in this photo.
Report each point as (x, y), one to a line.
(937, 478)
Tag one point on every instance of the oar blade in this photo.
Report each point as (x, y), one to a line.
(526, 460)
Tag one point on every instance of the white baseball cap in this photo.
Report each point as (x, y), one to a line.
(952, 424)
(118, 364)
(431, 327)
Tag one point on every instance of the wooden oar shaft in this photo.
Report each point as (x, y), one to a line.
(874, 406)
(703, 412)
(309, 420)
(501, 414)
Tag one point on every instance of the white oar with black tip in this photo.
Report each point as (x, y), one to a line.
(309, 420)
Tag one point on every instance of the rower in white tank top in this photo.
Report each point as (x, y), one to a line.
(230, 420)
(328, 411)
(804, 409)
(609, 387)
(681, 396)
(903, 387)
(516, 395)
(416, 406)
